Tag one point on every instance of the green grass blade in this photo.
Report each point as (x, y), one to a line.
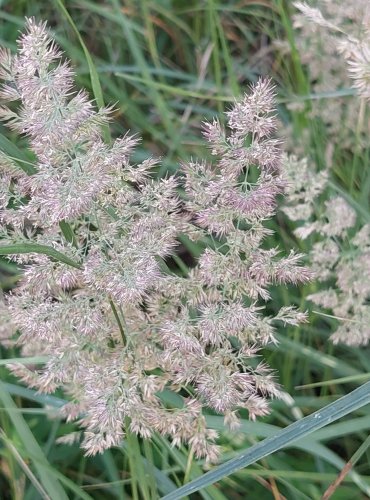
(134, 45)
(68, 232)
(15, 153)
(95, 82)
(293, 474)
(25, 361)
(24, 466)
(309, 445)
(35, 453)
(261, 429)
(316, 357)
(139, 479)
(361, 377)
(33, 395)
(304, 427)
(180, 458)
(158, 479)
(110, 465)
(71, 485)
(20, 248)
(175, 90)
(344, 428)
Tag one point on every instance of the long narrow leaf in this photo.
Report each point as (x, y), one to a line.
(35, 453)
(34, 360)
(95, 82)
(68, 232)
(33, 395)
(19, 248)
(347, 404)
(14, 152)
(24, 466)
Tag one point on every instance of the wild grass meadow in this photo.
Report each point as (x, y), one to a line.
(184, 249)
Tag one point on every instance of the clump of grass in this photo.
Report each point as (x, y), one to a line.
(144, 56)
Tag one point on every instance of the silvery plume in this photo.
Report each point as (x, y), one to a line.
(119, 323)
(346, 27)
(334, 114)
(340, 256)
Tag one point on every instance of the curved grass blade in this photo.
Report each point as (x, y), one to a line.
(14, 152)
(95, 82)
(20, 248)
(304, 427)
(33, 395)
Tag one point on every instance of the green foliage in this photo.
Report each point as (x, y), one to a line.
(169, 64)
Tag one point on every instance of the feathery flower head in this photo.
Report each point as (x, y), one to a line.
(117, 325)
(355, 48)
(340, 258)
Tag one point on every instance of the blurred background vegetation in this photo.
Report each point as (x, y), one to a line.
(167, 65)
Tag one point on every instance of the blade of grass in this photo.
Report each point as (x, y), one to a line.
(32, 395)
(177, 91)
(51, 485)
(209, 493)
(148, 451)
(21, 248)
(110, 465)
(317, 357)
(295, 474)
(212, 16)
(33, 479)
(68, 232)
(95, 82)
(157, 477)
(226, 56)
(299, 429)
(15, 153)
(343, 428)
(309, 445)
(137, 53)
(337, 381)
(34, 360)
(139, 480)
(71, 485)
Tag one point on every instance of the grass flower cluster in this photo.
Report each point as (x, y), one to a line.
(340, 258)
(195, 290)
(347, 30)
(117, 321)
(333, 44)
